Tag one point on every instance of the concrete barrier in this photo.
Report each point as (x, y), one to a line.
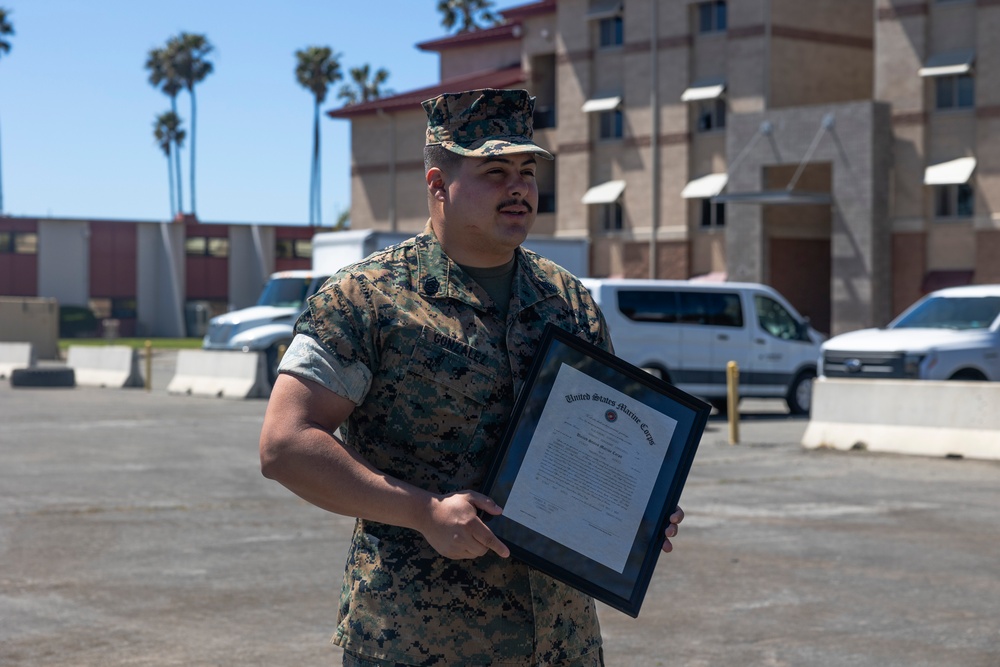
(219, 373)
(113, 366)
(919, 417)
(15, 355)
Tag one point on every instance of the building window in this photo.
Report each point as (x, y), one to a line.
(611, 124)
(293, 249)
(544, 117)
(712, 16)
(210, 246)
(712, 214)
(953, 201)
(711, 115)
(957, 91)
(612, 217)
(546, 202)
(610, 32)
(19, 243)
(304, 248)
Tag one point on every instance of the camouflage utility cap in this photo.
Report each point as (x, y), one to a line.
(480, 123)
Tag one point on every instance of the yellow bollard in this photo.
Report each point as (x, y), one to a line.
(149, 365)
(732, 401)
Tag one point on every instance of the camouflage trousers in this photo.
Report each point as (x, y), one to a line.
(592, 659)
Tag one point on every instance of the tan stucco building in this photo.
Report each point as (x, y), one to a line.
(842, 151)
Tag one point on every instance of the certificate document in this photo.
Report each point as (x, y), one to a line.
(590, 468)
(595, 469)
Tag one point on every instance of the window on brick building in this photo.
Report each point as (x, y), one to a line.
(712, 16)
(611, 124)
(711, 115)
(954, 92)
(954, 201)
(19, 243)
(209, 246)
(610, 32)
(612, 217)
(713, 214)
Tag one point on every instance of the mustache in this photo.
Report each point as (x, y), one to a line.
(515, 202)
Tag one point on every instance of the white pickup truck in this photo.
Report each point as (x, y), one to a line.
(950, 334)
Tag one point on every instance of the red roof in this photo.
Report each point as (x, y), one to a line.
(500, 33)
(530, 9)
(510, 29)
(410, 101)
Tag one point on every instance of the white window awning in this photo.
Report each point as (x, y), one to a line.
(953, 172)
(605, 193)
(947, 64)
(599, 104)
(604, 10)
(706, 89)
(705, 187)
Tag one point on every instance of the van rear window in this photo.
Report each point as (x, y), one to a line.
(720, 309)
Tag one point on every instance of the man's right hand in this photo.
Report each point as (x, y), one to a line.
(454, 529)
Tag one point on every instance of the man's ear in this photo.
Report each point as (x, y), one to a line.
(436, 183)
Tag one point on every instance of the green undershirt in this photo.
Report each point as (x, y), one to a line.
(496, 280)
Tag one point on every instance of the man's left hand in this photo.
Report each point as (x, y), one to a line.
(672, 528)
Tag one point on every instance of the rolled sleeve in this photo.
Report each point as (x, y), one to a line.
(308, 359)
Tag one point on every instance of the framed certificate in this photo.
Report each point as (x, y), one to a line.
(591, 467)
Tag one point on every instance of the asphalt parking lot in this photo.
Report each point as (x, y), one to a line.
(136, 529)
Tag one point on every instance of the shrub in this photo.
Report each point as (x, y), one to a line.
(77, 322)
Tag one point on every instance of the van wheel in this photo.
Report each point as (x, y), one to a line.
(969, 375)
(799, 397)
(658, 372)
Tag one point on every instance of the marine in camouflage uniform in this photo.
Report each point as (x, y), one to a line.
(433, 365)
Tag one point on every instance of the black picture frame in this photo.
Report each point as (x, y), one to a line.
(623, 590)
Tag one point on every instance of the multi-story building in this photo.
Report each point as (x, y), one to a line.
(838, 150)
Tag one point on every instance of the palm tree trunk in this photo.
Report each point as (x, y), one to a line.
(193, 118)
(177, 162)
(170, 175)
(1, 191)
(316, 160)
(314, 201)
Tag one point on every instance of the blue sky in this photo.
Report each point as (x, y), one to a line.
(76, 110)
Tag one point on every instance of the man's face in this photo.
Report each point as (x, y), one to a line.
(490, 207)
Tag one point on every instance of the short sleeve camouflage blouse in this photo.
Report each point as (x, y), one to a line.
(437, 370)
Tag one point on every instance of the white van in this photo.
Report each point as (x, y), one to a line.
(687, 332)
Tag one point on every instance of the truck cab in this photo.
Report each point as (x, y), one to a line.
(267, 326)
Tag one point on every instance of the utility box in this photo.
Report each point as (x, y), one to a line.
(32, 320)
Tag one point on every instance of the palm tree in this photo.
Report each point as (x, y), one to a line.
(163, 75)
(316, 68)
(187, 53)
(168, 133)
(366, 86)
(6, 28)
(468, 15)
